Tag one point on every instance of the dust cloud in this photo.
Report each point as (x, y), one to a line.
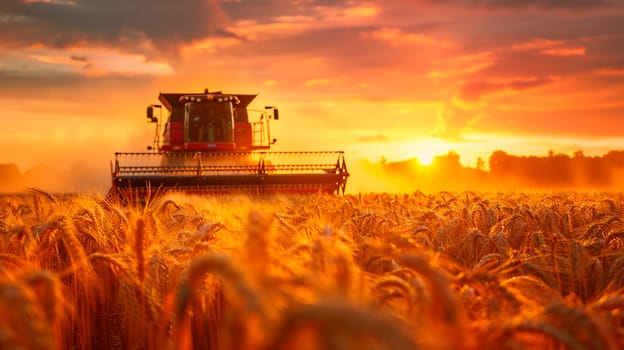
(504, 172)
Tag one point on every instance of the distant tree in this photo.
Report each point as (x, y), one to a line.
(449, 161)
(500, 163)
(615, 158)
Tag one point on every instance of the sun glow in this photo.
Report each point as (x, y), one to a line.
(426, 150)
(425, 158)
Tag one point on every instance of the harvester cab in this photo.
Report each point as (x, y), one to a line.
(210, 121)
(208, 144)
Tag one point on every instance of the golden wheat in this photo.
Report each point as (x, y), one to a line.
(378, 271)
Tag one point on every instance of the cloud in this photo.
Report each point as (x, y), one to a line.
(36, 63)
(372, 138)
(22, 84)
(78, 58)
(455, 119)
(577, 5)
(398, 37)
(317, 82)
(61, 24)
(473, 91)
(166, 25)
(458, 67)
(610, 72)
(550, 47)
(569, 51)
(569, 5)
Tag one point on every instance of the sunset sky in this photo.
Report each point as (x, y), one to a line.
(393, 78)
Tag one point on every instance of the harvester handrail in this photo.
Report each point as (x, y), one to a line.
(184, 169)
(203, 162)
(221, 153)
(327, 167)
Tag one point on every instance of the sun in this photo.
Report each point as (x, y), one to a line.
(425, 157)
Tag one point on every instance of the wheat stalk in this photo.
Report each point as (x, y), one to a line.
(333, 318)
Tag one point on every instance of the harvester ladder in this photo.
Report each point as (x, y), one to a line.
(258, 134)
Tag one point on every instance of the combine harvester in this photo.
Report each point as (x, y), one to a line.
(208, 145)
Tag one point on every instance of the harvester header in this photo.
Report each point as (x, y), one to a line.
(207, 143)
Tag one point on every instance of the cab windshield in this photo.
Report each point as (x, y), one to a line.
(208, 122)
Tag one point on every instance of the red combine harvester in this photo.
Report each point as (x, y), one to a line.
(209, 145)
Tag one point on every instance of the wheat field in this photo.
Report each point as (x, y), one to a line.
(372, 271)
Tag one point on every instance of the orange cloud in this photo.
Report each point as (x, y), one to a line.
(92, 61)
(209, 45)
(457, 67)
(317, 82)
(372, 138)
(455, 119)
(473, 91)
(610, 72)
(568, 51)
(55, 2)
(352, 12)
(397, 37)
(550, 47)
(317, 18)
